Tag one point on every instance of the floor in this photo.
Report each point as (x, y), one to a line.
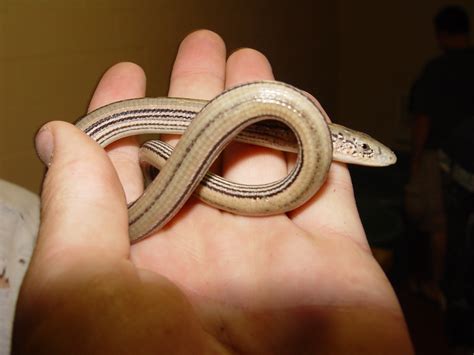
(425, 322)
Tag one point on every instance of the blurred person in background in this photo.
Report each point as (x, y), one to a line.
(439, 193)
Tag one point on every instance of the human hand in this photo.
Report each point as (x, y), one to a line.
(210, 281)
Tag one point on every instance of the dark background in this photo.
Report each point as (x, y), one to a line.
(359, 58)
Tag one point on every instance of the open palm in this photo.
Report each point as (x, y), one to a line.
(302, 282)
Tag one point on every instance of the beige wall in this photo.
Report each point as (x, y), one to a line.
(358, 57)
(52, 53)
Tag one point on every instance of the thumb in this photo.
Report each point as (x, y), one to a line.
(83, 210)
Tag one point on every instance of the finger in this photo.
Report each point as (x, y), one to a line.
(199, 68)
(83, 205)
(242, 162)
(123, 81)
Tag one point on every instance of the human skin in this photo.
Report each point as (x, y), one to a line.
(210, 282)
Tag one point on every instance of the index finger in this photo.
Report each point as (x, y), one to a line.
(123, 81)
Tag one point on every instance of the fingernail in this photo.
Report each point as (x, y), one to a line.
(44, 144)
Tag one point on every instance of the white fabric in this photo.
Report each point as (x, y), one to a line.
(19, 221)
